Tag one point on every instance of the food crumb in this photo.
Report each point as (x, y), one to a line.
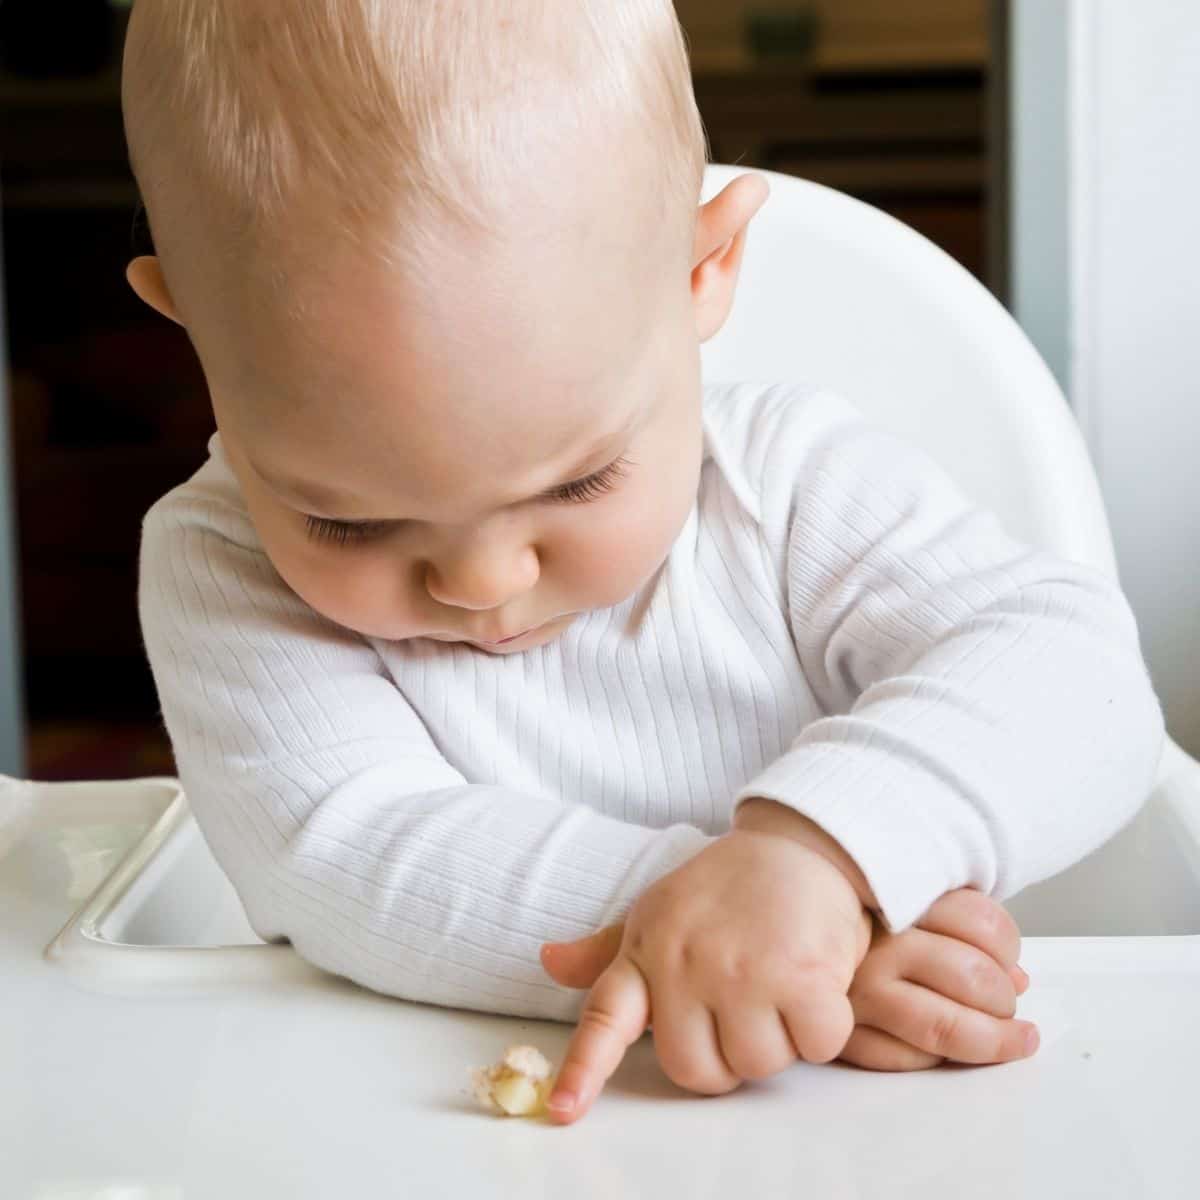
(517, 1086)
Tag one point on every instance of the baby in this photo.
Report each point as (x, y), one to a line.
(502, 658)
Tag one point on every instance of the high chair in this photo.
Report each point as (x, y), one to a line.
(837, 293)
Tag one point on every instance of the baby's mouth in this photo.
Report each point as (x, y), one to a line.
(513, 638)
(516, 636)
(482, 641)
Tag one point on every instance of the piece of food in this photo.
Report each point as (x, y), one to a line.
(518, 1085)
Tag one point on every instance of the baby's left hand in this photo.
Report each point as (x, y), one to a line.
(945, 989)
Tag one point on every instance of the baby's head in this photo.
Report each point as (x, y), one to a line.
(445, 270)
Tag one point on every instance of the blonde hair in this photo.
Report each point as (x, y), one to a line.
(379, 120)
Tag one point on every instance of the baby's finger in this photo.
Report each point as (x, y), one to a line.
(940, 1026)
(821, 1025)
(686, 1043)
(958, 971)
(970, 916)
(878, 1051)
(613, 1018)
(755, 1041)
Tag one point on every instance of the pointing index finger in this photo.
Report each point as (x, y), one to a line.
(614, 1016)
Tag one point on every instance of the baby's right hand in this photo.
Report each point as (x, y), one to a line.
(945, 989)
(744, 955)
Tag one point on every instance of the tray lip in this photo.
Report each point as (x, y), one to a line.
(85, 953)
(82, 927)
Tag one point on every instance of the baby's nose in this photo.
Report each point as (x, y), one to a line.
(482, 580)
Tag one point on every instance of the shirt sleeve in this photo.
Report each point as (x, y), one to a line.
(989, 717)
(327, 804)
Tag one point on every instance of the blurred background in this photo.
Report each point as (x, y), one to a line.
(1048, 145)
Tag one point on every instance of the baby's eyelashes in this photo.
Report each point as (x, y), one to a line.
(323, 529)
(579, 491)
(595, 485)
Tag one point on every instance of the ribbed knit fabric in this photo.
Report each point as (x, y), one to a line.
(836, 628)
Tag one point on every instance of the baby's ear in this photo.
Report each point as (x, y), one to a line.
(146, 278)
(720, 241)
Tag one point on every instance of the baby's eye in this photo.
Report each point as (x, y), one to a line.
(343, 533)
(593, 486)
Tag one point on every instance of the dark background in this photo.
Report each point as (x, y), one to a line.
(109, 408)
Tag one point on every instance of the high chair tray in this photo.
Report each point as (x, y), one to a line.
(156, 1048)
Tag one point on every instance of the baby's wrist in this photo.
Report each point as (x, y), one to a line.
(760, 815)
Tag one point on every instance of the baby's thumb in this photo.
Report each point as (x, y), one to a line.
(580, 963)
(864, 934)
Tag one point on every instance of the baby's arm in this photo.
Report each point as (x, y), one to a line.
(324, 799)
(990, 718)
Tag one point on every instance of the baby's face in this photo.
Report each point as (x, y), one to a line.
(479, 457)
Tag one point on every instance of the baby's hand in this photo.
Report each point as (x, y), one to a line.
(744, 955)
(945, 989)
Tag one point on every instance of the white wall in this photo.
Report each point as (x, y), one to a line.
(1133, 136)
(1039, 175)
(12, 743)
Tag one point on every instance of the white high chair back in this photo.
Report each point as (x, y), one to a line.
(839, 294)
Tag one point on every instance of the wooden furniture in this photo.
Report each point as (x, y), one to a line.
(913, 143)
(109, 408)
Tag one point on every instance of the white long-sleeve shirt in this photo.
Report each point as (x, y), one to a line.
(836, 628)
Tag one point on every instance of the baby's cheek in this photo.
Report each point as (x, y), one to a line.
(358, 587)
(620, 555)
(358, 590)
